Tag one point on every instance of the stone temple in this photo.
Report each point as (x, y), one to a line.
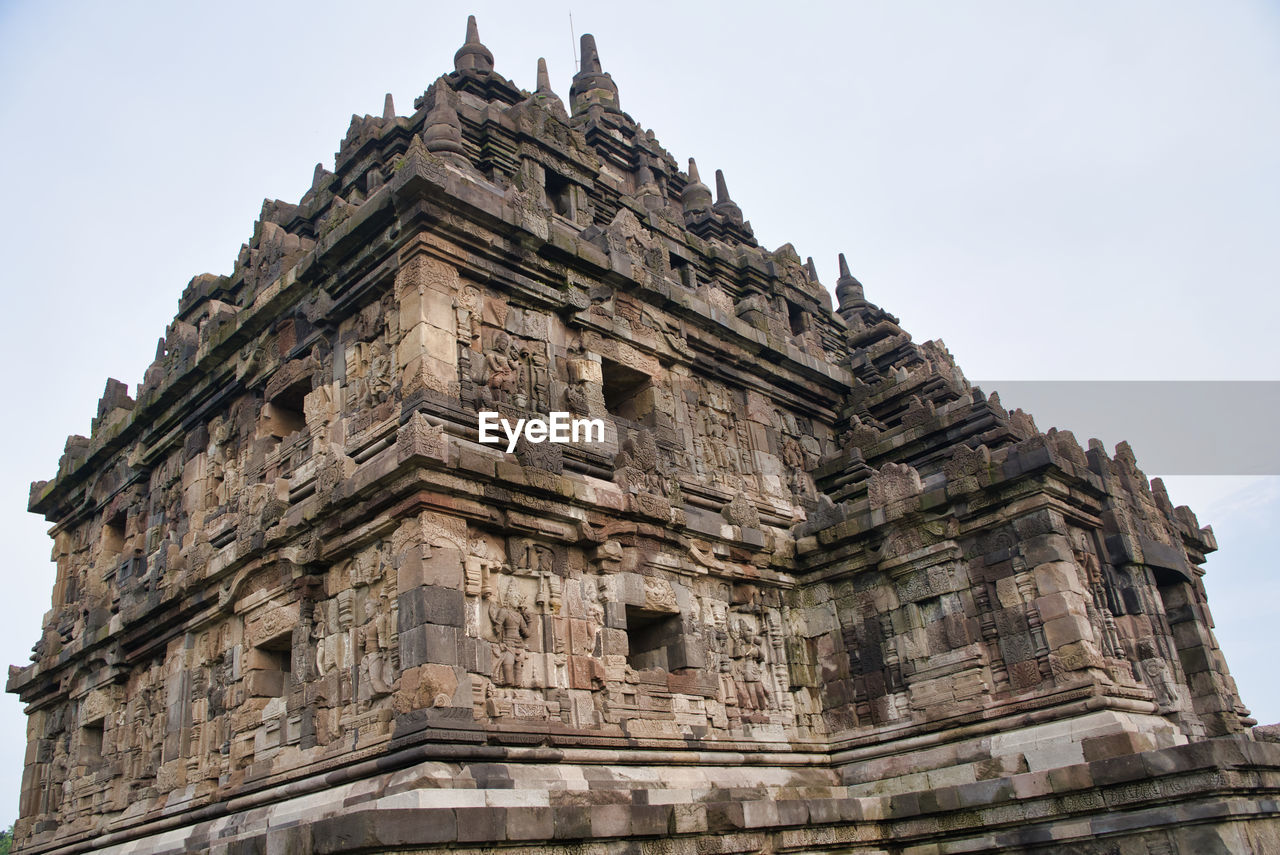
(811, 592)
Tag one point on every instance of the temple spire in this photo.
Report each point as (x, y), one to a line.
(811, 269)
(725, 206)
(696, 196)
(473, 56)
(389, 109)
(592, 85)
(848, 290)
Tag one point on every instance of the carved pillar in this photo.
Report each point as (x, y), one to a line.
(427, 355)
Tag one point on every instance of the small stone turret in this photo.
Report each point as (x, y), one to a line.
(849, 293)
(696, 195)
(473, 56)
(443, 132)
(591, 85)
(544, 94)
(725, 206)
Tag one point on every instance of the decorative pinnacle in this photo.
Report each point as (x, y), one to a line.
(592, 85)
(443, 131)
(848, 290)
(725, 206)
(811, 269)
(696, 195)
(544, 79)
(590, 56)
(473, 56)
(646, 184)
(389, 109)
(544, 95)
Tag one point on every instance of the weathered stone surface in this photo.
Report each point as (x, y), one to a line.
(808, 589)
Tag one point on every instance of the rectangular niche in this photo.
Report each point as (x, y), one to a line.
(627, 392)
(650, 637)
(91, 742)
(270, 667)
(657, 640)
(284, 414)
(559, 193)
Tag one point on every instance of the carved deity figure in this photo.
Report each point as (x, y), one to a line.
(1155, 671)
(372, 373)
(793, 458)
(752, 692)
(319, 631)
(511, 626)
(502, 368)
(215, 490)
(715, 445)
(376, 663)
(379, 377)
(591, 597)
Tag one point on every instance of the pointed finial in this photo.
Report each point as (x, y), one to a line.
(443, 131)
(811, 269)
(318, 176)
(544, 96)
(591, 85)
(389, 109)
(696, 195)
(473, 56)
(725, 206)
(544, 79)
(848, 290)
(590, 56)
(647, 189)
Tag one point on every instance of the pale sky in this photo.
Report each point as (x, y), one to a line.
(1061, 191)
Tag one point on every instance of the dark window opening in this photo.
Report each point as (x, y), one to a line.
(91, 742)
(797, 317)
(559, 193)
(283, 414)
(271, 667)
(112, 545)
(681, 270)
(650, 637)
(622, 388)
(113, 535)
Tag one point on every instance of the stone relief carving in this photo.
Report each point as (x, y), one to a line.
(510, 623)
